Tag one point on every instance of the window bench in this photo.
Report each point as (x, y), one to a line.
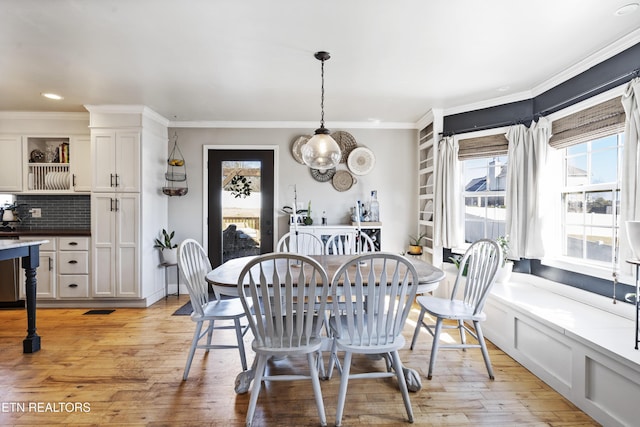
(579, 343)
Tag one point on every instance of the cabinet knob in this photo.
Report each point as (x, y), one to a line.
(73, 243)
(73, 285)
(73, 261)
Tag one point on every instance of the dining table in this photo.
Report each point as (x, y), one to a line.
(224, 279)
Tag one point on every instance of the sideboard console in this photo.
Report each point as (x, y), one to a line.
(324, 231)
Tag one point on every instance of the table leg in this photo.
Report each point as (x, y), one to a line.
(637, 302)
(31, 343)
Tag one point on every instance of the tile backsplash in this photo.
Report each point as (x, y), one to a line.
(59, 212)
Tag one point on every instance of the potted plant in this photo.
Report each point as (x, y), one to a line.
(505, 270)
(307, 219)
(415, 244)
(168, 249)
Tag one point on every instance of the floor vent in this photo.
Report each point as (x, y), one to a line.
(99, 312)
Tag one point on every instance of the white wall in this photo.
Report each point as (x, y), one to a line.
(394, 176)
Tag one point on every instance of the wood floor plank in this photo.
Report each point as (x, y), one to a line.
(127, 367)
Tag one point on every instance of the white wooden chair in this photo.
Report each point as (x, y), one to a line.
(301, 243)
(480, 264)
(287, 292)
(347, 243)
(195, 264)
(369, 319)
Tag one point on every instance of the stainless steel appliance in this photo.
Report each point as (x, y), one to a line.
(9, 281)
(9, 269)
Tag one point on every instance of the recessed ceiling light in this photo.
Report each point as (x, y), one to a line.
(627, 9)
(54, 96)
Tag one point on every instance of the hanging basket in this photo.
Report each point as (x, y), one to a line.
(175, 191)
(176, 175)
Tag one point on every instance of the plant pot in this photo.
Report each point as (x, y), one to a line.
(169, 256)
(308, 220)
(504, 272)
(415, 250)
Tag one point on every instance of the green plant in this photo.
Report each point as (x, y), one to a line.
(417, 240)
(456, 259)
(165, 242)
(503, 242)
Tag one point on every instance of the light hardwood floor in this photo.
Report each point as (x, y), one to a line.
(125, 369)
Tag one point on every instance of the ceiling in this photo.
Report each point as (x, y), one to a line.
(252, 60)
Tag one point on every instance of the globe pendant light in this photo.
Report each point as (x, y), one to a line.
(321, 151)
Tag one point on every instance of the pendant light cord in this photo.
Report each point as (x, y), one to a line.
(322, 96)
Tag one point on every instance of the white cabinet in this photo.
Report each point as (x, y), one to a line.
(64, 268)
(116, 160)
(11, 170)
(57, 164)
(81, 164)
(325, 231)
(46, 271)
(115, 233)
(73, 267)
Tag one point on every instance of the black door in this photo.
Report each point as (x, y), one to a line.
(240, 203)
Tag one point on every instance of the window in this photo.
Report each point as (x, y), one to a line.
(591, 199)
(484, 196)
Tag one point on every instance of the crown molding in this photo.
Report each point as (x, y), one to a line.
(128, 109)
(487, 103)
(289, 125)
(596, 58)
(42, 115)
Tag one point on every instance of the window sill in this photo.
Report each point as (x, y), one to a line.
(570, 264)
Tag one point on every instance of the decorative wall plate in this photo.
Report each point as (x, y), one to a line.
(346, 142)
(361, 161)
(296, 147)
(322, 176)
(343, 180)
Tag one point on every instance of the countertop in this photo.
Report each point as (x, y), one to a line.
(45, 232)
(13, 244)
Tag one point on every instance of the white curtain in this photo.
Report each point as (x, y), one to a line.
(526, 201)
(449, 227)
(630, 185)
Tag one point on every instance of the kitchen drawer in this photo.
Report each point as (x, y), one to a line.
(49, 246)
(73, 286)
(73, 243)
(73, 262)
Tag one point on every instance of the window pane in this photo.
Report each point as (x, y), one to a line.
(589, 222)
(486, 174)
(484, 217)
(604, 166)
(241, 207)
(574, 241)
(606, 142)
(577, 149)
(600, 202)
(577, 170)
(473, 230)
(574, 203)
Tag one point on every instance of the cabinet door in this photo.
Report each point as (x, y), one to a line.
(103, 155)
(127, 252)
(80, 159)
(45, 277)
(103, 238)
(127, 161)
(12, 161)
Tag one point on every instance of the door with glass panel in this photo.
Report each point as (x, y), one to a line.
(240, 203)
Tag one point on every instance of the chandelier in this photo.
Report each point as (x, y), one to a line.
(321, 151)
